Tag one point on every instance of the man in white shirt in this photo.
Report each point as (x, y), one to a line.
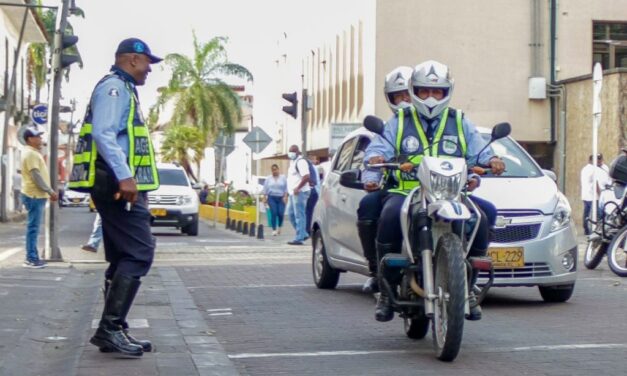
(298, 190)
(587, 186)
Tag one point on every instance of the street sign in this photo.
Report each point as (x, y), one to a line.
(39, 114)
(337, 132)
(226, 142)
(257, 140)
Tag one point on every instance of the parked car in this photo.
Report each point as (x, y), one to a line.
(535, 241)
(74, 198)
(175, 203)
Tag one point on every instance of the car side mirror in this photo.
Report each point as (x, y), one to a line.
(351, 179)
(501, 130)
(550, 174)
(374, 124)
(196, 186)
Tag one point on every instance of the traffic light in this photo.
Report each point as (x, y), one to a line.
(292, 109)
(71, 56)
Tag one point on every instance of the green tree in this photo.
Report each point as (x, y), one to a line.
(183, 144)
(199, 94)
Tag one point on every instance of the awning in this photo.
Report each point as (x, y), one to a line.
(13, 16)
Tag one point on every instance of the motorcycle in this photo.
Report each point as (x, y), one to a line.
(433, 284)
(610, 230)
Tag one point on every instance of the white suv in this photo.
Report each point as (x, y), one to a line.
(175, 203)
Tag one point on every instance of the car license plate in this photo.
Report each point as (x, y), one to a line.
(76, 200)
(158, 212)
(507, 257)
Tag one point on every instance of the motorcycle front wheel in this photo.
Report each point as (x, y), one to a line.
(595, 250)
(450, 277)
(617, 253)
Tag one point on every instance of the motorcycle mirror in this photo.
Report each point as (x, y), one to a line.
(350, 179)
(374, 124)
(501, 130)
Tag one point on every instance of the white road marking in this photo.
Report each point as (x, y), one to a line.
(9, 252)
(584, 346)
(221, 314)
(219, 310)
(265, 286)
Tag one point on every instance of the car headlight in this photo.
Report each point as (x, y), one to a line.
(182, 200)
(445, 187)
(561, 214)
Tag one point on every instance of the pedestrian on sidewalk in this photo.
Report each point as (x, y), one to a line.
(17, 191)
(118, 175)
(35, 192)
(314, 179)
(587, 187)
(298, 189)
(96, 236)
(275, 192)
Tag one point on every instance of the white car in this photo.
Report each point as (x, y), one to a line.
(74, 198)
(535, 241)
(175, 203)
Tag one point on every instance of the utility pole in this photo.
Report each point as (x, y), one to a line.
(59, 62)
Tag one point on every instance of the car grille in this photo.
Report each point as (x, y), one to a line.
(517, 233)
(162, 199)
(530, 270)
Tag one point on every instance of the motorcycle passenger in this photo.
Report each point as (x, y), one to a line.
(428, 121)
(397, 96)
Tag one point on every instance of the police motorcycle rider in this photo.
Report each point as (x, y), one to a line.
(428, 122)
(369, 210)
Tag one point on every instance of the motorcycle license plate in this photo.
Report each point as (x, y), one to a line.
(158, 212)
(507, 257)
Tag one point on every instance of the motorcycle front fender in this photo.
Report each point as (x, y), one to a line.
(448, 210)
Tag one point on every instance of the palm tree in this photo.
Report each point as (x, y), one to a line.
(183, 144)
(200, 96)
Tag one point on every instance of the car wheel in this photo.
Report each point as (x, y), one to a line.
(324, 275)
(556, 294)
(191, 229)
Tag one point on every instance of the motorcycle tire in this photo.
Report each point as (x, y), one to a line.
(417, 327)
(617, 253)
(450, 279)
(595, 250)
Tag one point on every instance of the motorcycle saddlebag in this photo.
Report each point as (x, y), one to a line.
(618, 169)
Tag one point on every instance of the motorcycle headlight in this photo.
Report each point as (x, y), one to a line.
(445, 187)
(561, 214)
(182, 200)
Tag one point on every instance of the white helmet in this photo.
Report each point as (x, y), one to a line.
(431, 74)
(395, 81)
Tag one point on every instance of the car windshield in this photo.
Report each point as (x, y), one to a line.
(517, 162)
(172, 177)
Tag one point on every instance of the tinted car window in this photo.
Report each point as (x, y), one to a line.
(172, 177)
(343, 161)
(360, 152)
(517, 161)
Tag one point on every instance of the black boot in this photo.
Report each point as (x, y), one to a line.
(383, 311)
(110, 333)
(475, 308)
(145, 344)
(367, 231)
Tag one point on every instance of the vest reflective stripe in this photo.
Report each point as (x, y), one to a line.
(141, 153)
(144, 169)
(408, 181)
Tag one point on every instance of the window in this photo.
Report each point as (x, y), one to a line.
(172, 177)
(345, 154)
(609, 44)
(360, 151)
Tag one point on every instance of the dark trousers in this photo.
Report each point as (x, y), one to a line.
(129, 245)
(587, 208)
(370, 206)
(311, 204)
(389, 229)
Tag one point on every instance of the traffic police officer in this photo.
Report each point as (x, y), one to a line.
(397, 96)
(429, 120)
(114, 160)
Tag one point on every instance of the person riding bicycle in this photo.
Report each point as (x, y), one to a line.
(432, 128)
(369, 210)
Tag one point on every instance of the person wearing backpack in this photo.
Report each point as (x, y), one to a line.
(299, 190)
(314, 183)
